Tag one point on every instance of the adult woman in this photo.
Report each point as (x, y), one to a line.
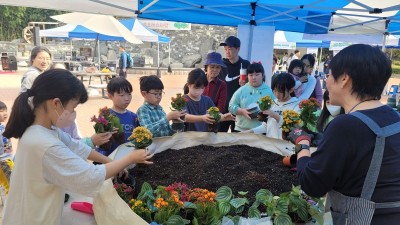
(354, 147)
(48, 161)
(40, 62)
(216, 88)
(248, 95)
(309, 62)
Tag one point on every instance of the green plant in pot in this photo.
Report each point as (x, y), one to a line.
(216, 115)
(308, 108)
(264, 103)
(229, 205)
(141, 137)
(289, 207)
(119, 136)
(178, 103)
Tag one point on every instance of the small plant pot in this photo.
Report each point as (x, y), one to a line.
(262, 117)
(119, 138)
(290, 161)
(178, 126)
(213, 127)
(106, 146)
(285, 135)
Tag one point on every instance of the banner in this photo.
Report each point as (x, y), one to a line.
(337, 46)
(285, 45)
(166, 25)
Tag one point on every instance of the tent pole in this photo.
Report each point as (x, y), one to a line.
(98, 52)
(384, 43)
(169, 52)
(320, 56)
(158, 54)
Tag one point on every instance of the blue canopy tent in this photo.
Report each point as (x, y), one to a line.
(297, 38)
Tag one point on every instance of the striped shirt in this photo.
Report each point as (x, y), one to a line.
(154, 118)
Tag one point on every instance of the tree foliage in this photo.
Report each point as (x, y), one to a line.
(14, 19)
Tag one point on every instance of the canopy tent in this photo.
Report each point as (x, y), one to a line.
(135, 26)
(282, 37)
(392, 41)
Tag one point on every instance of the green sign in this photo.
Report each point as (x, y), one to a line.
(179, 25)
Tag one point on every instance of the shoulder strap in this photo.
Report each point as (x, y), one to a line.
(376, 162)
(216, 90)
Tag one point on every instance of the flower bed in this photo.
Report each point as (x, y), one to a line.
(234, 203)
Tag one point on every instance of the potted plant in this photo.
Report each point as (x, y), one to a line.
(308, 108)
(265, 103)
(216, 115)
(290, 119)
(141, 137)
(178, 103)
(103, 124)
(119, 136)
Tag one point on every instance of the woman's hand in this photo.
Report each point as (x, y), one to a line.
(101, 138)
(141, 156)
(228, 117)
(207, 119)
(244, 112)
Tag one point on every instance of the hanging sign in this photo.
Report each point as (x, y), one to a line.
(166, 25)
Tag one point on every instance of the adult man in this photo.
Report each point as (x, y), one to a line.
(123, 61)
(231, 74)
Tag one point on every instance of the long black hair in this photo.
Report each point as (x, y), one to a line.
(283, 82)
(56, 83)
(296, 63)
(197, 77)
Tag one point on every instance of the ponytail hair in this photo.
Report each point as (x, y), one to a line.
(56, 83)
(197, 77)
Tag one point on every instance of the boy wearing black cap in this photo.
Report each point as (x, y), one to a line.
(231, 74)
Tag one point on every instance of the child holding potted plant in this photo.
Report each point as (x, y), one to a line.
(198, 104)
(282, 86)
(119, 91)
(151, 114)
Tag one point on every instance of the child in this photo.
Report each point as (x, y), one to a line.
(244, 100)
(198, 104)
(282, 86)
(120, 93)
(151, 115)
(327, 113)
(5, 143)
(6, 162)
(49, 161)
(305, 84)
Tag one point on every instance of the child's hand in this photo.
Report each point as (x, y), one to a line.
(207, 119)
(244, 112)
(141, 156)
(242, 82)
(176, 115)
(271, 113)
(228, 117)
(101, 138)
(123, 174)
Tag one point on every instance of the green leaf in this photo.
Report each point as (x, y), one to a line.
(235, 219)
(264, 195)
(238, 202)
(243, 193)
(224, 207)
(224, 193)
(195, 221)
(189, 205)
(282, 219)
(282, 205)
(150, 205)
(254, 212)
(177, 220)
(239, 210)
(143, 191)
(302, 212)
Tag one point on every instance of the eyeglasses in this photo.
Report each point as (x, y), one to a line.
(158, 94)
(307, 66)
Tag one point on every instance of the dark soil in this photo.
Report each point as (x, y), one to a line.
(240, 167)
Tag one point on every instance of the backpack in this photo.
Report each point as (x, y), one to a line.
(129, 61)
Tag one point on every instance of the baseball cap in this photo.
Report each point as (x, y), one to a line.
(231, 41)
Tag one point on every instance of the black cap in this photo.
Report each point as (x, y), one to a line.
(231, 41)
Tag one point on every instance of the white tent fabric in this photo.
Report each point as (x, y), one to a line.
(374, 39)
(124, 8)
(101, 24)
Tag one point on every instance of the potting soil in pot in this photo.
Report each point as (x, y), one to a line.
(240, 167)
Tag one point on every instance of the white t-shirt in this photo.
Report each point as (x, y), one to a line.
(48, 162)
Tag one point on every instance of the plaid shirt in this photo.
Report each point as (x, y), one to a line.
(154, 118)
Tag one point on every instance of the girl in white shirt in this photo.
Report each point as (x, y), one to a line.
(49, 161)
(282, 85)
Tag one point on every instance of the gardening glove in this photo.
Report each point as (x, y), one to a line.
(297, 134)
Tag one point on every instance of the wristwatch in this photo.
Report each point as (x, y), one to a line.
(299, 147)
